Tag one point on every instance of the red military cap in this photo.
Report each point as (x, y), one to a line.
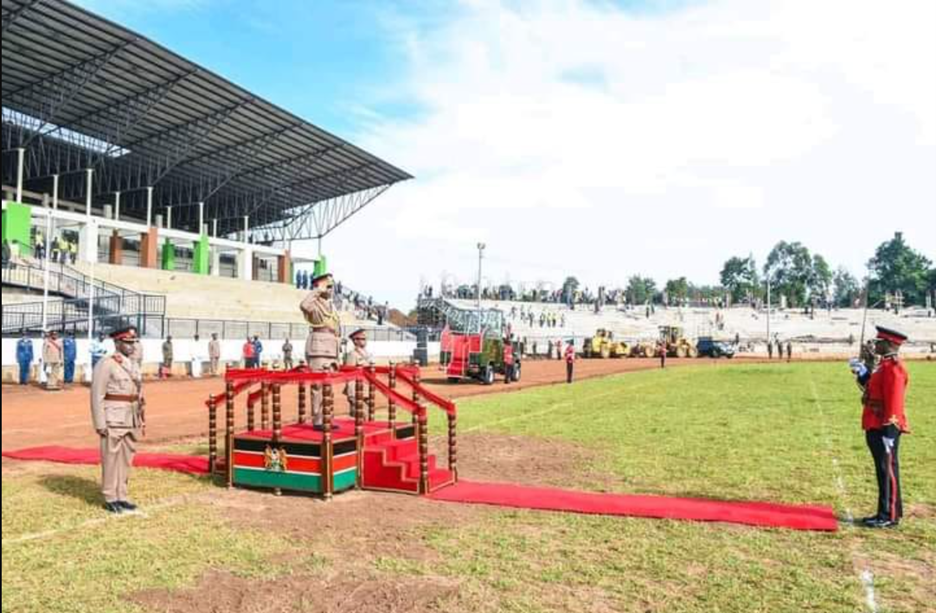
(124, 334)
(893, 336)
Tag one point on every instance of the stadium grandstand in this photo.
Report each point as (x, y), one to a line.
(822, 332)
(139, 186)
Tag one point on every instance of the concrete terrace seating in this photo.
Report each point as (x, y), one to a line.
(743, 321)
(207, 297)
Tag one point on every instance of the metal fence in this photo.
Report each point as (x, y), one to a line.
(72, 315)
(234, 329)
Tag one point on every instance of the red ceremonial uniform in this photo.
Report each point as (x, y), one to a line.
(884, 396)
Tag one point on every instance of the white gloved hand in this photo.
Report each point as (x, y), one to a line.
(888, 445)
(857, 367)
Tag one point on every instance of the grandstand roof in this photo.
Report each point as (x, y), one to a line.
(80, 91)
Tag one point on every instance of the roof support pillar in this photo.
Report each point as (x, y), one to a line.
(55, 192)
(90, 180)
(20, 155)
(149, 207)
(201, 218)
(169, 217)
(117, 206)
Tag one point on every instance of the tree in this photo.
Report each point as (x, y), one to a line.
(790, 269)
(845, 289)
(640, 290)
(739, 276)
(820, 281)
(896, 267)
(677, 290)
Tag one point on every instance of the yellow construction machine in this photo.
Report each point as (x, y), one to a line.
(677, 345)
(603, 345)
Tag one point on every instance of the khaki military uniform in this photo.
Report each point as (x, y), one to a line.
(287, 355)
(137, 355)
(167, 355)
(53, 357)
(116, 409)
(214, 356)
(355, 357)
(322, 343)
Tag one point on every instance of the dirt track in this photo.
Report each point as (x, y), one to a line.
(175, 409)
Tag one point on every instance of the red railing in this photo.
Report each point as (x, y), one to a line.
(239, 380)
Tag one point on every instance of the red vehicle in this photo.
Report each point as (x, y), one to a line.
(480, 355)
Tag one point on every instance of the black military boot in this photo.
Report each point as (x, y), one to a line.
(126, 505)
(113, 507)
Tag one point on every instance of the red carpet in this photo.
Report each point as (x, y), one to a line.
(193, 465)
(797, 517)
(661, 507)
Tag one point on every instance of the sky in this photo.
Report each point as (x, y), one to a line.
(596, 139)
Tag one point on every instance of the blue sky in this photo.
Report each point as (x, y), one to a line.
(314, 58)
(683, 132)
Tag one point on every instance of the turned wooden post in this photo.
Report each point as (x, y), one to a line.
(422, 429)
(391, 405)
(453, 446)
(212, 434)
(302, 403)
(250, 414)
(229, 433)
(358, 408)
(327, 450)
(265, 406)
(415, 393)
(371, 395)
(277, 422)
(277, 414)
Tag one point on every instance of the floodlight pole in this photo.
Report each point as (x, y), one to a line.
(481, 247)
(768, 307)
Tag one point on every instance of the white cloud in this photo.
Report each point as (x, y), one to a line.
(602, 143)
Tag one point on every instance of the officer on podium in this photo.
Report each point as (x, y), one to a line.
(884, 421)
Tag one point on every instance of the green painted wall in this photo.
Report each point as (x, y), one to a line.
(321, 266)
(202, 256)
(168, 256)
(17, 223)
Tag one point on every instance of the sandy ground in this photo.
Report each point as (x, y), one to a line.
(175, 409)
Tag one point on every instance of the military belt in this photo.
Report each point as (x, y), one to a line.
(121, 398)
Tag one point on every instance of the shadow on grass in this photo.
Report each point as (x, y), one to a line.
(80, 488)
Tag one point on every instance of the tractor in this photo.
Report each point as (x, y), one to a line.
(677, 345)
(475, 345)
(645, 349)
(603, 345)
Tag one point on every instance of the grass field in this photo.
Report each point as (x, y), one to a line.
(784, 433)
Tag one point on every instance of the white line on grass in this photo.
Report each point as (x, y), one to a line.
(545, 411)
(97, 521)
(867, 577)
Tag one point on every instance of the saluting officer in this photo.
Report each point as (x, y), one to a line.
(883, 421)
(117, 413)
(324, 334)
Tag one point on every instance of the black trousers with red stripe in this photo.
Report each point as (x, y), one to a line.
(887, 469)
